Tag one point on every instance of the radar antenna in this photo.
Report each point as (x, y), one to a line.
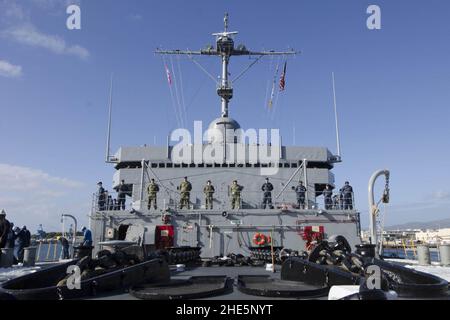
(225, 22)
(225, 49)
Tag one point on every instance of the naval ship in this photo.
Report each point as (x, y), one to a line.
(178, 250)
(222, 230)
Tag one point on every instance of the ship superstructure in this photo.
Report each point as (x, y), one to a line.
(227, 154)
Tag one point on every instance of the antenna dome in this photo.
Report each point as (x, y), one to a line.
(216, 130)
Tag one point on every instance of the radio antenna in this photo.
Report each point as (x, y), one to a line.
(338, 141)
(108, 138)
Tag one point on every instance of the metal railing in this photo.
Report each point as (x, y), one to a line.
(50, 250)
(222, 199)
(108, 204)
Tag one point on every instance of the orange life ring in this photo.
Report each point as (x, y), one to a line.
(269, 239)
(259, 239)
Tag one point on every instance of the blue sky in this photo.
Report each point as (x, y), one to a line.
(393, 91)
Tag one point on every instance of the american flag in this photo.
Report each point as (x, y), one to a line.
(169, 78)
(283, 78)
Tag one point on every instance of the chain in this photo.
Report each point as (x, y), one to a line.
(386, 191)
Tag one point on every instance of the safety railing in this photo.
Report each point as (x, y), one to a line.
(109, 202)
(222, 199)
(50, 250)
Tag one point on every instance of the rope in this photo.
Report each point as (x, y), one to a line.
(166, 70)
(203, 69)
(268, 83)
(180, 110)
(196, 93)
(246, 69)
(275, 77)
(382, 228)
(182, 90)
(168, 190)
(276, 101)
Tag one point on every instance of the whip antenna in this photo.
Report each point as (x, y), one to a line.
(338, 141)
(108, 138)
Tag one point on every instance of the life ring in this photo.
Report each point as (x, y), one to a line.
(259, 239)
(268, 239)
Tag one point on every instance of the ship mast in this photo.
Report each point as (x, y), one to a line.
(225, 49)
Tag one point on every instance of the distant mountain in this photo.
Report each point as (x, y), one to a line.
(444, 223)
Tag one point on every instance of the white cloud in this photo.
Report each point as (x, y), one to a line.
(31, 196)
(28, 34)
(59, 5)
(11, 11)
(135, 17)
(16, 22)
(28, 179)
(78, 51)
(441, 195)
(10, 70)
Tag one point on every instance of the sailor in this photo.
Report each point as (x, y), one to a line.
(327, 195)
(347, 196)
(152, 191)
(121, 195)
(4, 229)
(185, 192)
(11, 236)
(267, 188)
(236, 195)
(23, 241)
(110, 203)
(300, 191)
(336, 202)
(87, 237)
(27, 236)
(16, 244)
(209, 190)
(101, 196)
(65, 247)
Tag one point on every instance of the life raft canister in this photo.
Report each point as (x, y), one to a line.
(259, 239)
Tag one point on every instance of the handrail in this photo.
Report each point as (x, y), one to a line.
(249, 199)
(74, 230)
(222, 197)
(373, 208)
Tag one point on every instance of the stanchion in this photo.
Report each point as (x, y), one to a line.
(49, 246)
(38, 254)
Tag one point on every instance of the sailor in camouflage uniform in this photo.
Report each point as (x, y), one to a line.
(209, 190)
(152, 191)
(236, 195)
(185, 192)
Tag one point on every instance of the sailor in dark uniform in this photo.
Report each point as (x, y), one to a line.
(101, 196)
(300, 191)
(327, 195)
(347, 196)
(336, 202)
(121, 195)
(267, 194)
